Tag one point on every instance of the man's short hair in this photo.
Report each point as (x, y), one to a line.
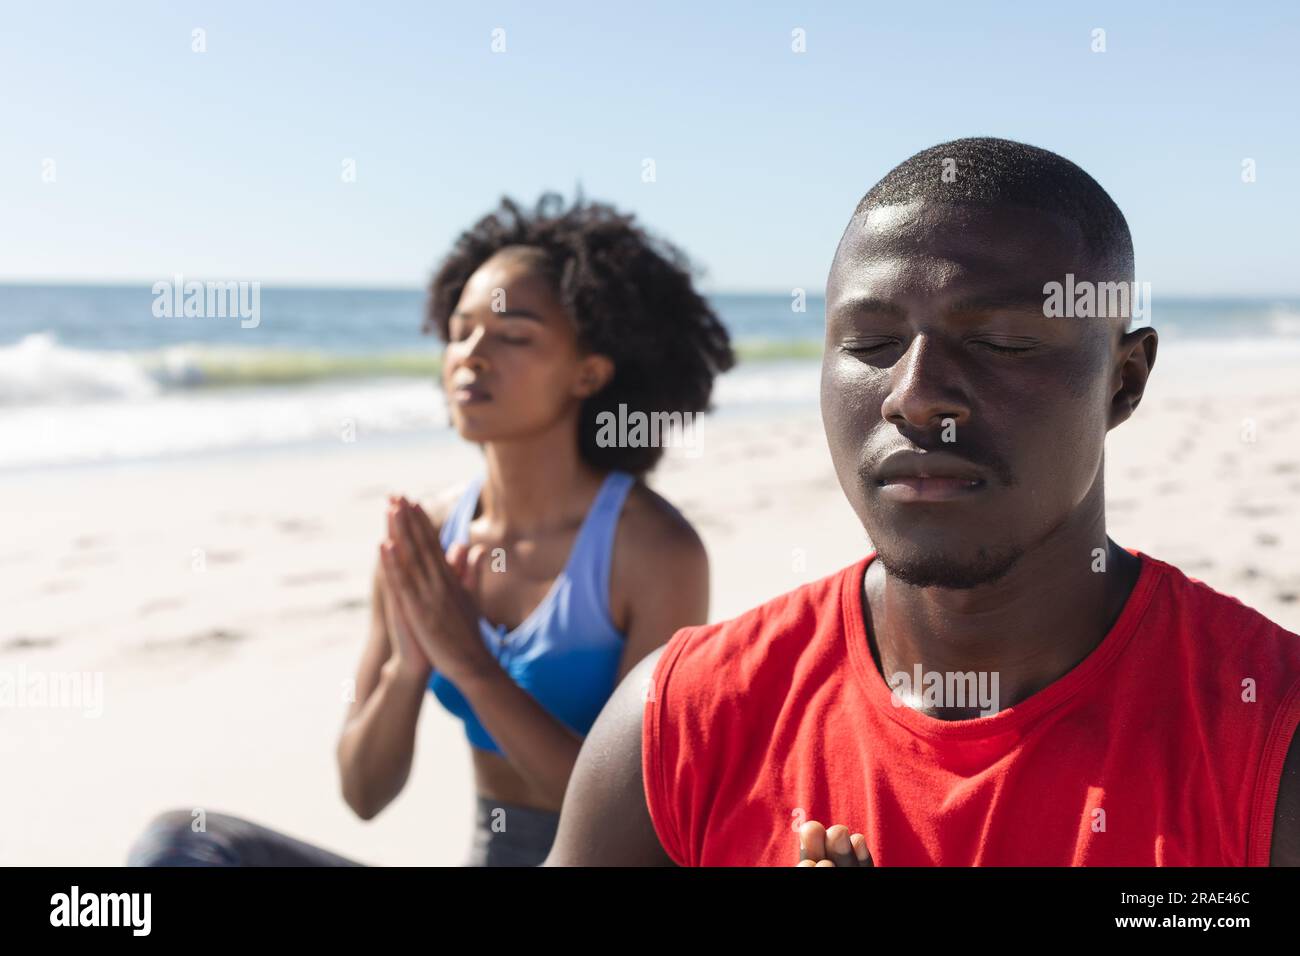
(983, 169)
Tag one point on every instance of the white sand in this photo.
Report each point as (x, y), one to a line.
(223, 682)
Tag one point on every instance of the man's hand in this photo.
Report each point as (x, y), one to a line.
(819, 846)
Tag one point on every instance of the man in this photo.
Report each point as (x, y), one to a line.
(1140, 717)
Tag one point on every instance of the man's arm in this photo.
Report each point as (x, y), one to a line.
(604, 820)
(1286, 817)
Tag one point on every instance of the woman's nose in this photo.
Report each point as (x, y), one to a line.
(473, 350)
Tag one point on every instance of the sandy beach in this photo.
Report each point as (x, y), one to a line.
(224, 600)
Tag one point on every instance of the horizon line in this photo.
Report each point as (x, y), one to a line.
(299, 285)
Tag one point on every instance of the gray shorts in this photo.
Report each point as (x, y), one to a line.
(506, 834)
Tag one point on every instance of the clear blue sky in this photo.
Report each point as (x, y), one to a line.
(227, 164)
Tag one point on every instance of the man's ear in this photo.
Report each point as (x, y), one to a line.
(1137, 357)
(594, 373)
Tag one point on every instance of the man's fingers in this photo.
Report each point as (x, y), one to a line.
(833, 846)
(860, 850)
(812, 841)
(839, 849)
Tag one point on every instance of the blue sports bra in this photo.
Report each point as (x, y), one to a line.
(567, 651)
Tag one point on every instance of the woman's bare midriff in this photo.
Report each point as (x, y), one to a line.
(496, 779)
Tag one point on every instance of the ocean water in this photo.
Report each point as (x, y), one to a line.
(91, 374)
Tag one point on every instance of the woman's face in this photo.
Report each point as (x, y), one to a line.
(512, 367)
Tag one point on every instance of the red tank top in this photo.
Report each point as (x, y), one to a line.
(1164, 747)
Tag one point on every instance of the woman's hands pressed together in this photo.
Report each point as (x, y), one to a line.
(434, 616)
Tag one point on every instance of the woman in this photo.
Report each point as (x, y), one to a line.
(522, 599)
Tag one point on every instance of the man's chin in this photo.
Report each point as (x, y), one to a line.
(956, 571)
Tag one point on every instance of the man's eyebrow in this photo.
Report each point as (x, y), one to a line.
(504, 314)
(867, 303)
(1010, 300)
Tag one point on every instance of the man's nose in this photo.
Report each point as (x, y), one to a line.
(926, 387)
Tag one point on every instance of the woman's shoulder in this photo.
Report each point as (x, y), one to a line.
(651, 529)
(660, 570)
(440, 506)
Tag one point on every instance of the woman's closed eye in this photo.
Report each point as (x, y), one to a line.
(460, 335)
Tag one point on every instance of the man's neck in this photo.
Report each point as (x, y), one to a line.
(1029, 628)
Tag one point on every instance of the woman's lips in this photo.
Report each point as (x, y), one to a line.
(903, 489)
(470, 395)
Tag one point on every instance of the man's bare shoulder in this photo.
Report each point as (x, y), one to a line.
(1286, 817)
(605, 820)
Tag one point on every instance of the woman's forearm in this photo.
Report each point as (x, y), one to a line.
(541, 748)
(376, 747)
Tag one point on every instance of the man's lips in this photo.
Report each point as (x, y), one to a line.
(908, 476)
(929, 489)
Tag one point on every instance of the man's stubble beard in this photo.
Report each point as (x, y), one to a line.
(942, 571)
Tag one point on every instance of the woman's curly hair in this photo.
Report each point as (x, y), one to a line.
(630, 296)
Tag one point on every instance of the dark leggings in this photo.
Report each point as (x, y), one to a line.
(504, 835)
